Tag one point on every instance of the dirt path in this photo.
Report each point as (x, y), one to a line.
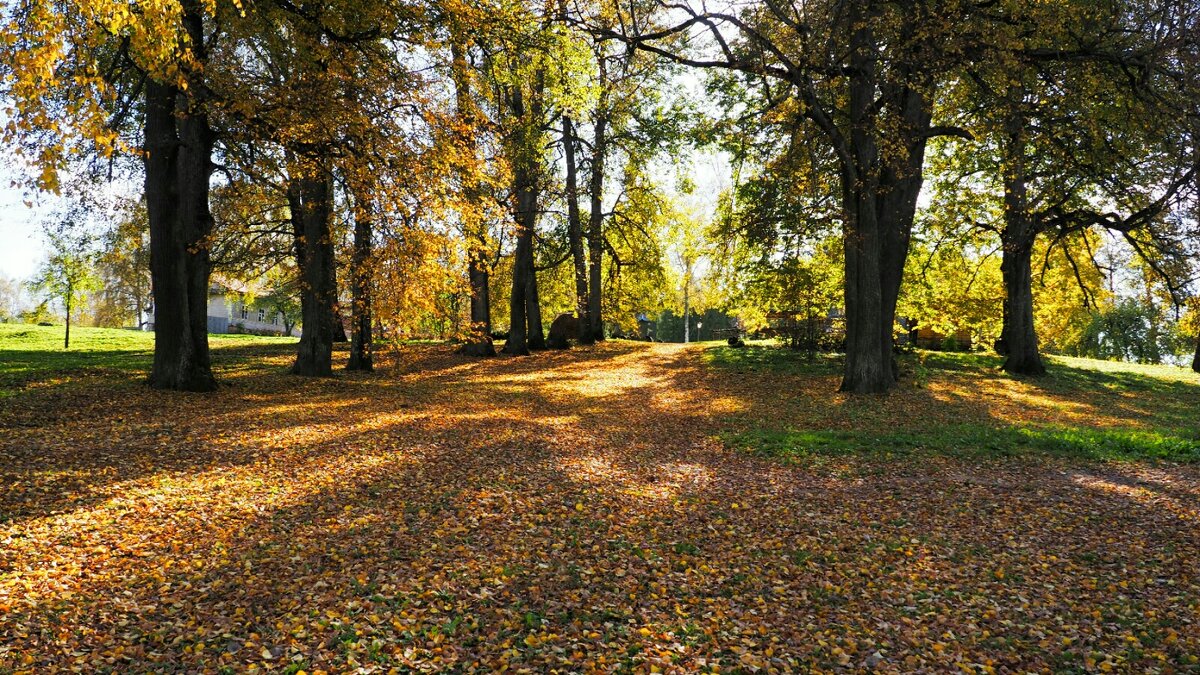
(572, 511)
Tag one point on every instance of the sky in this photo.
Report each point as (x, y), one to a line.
(20, 234)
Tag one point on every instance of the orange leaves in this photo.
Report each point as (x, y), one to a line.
(444, 515)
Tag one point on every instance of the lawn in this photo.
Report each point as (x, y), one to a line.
(959, 404)
(628, 507)
(33, 354)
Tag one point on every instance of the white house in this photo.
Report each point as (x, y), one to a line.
(226, 315)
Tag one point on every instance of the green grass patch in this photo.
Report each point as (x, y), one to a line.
(965, 440)
(762, 356)
(1153, 406)
(30, 354)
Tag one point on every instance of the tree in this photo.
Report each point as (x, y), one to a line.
(866, 74)
(472, 206)
(360, 282)
(688, 248)
(10, 299)
(1068, 141)
(68, 273)
(133, 76)
(123, 264)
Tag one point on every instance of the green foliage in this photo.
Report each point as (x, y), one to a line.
(954, 284)
(1125, 331)
(68, 274)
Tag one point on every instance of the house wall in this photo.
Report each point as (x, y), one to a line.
(223, 311)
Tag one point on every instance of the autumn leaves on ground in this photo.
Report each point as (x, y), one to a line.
(623, 508)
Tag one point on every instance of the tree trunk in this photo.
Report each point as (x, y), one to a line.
(575, 235)
(517, 342)
(880, 187)
(534, 333)
(687, 324)
(178, 165)
(360, 289)
(868, 367)
(1020, 338)
(1017, 239)
(596, 216)
(897, 211)
(479, 340)
(525, 329)
(1196, 159)
(67, 302)
(312, 221)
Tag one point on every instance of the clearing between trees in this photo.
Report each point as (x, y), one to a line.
(624, 507)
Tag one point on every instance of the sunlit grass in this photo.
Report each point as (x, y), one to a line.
(957, 404)
(30, 354)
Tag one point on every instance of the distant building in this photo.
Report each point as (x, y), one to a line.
(226, 315)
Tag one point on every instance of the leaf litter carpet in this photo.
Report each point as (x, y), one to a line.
(569, 512)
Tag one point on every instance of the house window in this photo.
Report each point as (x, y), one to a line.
(262, 315)
(245, 312)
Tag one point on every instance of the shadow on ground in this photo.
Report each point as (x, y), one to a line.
(574, 510)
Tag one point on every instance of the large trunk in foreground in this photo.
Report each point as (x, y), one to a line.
(178, 165)
(312, 219)
(1196, 150)
(360, 288)
(880, 186)
(1018, 336)
(575, 235)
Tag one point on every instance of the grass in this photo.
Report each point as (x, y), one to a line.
(970, 440)
(31, 354)
(960, 404)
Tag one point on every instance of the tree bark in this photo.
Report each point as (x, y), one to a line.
(534, 332)
(178, 165)
(595, 234)
(868, 367)
(1019, 335)
(575, 236)
(525, 318)
(1196, 159)
(67, 302)
(479, 339)
(1017, 240)
(880, 187)
(312, 217)
(361, 357)
(898, 210)
(517, 342)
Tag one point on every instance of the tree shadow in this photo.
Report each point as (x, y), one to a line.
(543, 513)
